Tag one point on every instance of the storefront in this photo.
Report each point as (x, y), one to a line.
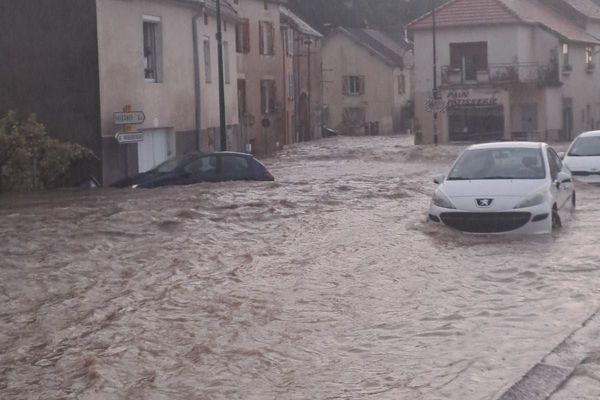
(474, 116)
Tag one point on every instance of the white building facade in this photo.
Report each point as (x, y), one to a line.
(507, 70)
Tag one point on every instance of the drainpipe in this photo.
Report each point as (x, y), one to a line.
(197, 97)
(285, 82)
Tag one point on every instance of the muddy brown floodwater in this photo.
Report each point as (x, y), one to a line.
(326, 284)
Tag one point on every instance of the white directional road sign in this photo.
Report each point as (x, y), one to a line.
(129, 137)
(133, 117)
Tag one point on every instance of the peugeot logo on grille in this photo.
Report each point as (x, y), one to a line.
(484, 202)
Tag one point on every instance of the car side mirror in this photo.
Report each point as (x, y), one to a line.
(561, 155)
(562, 177)
(439, 179)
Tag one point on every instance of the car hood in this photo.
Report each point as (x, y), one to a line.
(583, 163)
(493, 187)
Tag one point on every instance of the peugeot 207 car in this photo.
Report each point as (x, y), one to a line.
(583, 157)
(199, 167)
(517, 187)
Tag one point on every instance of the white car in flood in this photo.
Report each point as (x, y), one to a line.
(583, 157)
(517, 187)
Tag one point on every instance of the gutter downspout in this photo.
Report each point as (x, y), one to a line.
(285, 81)
(197, 96)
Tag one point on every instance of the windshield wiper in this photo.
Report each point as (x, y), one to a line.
(501, 177)
(459, 178)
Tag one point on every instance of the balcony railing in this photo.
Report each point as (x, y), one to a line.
(503, 74)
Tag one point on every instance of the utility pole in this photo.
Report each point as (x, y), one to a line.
(435, 89)
(221, 80)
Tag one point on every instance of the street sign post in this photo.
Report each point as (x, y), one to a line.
(132, 117)
(435, 105)
(129, 137)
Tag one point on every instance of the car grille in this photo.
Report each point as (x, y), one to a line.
(486, 222)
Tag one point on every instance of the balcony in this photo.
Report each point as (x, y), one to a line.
(502, 74)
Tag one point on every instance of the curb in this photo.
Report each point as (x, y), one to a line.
(555, 369)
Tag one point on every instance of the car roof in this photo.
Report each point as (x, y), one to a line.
(589, 134)
(507, 145)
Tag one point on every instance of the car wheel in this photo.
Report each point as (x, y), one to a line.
(556, 223)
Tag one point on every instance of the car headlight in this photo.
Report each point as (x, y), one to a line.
(532, 201)
(135, 186)
(439, 199)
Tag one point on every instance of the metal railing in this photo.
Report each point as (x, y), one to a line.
(547, 74)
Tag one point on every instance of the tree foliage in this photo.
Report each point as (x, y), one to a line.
(30, 159)
(387, 15)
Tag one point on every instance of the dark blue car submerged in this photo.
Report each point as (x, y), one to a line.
(200, 167)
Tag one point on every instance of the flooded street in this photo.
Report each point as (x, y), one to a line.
(326, 284)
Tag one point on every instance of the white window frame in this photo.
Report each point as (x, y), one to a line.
(156, 51)
(354, 85)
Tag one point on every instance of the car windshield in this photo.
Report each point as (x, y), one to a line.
(586, 147)
(172, 164)
(499, 163)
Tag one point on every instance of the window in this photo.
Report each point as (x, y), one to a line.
(565, 57)
(401, 84)
(354, 116)
(234, 164)
(226, 62)
(152, 49)
(266, 35)
(291, 85)
(589, 58)
(290, 42)
(555, 164)
(203, 167)
(353, 85)
(468, 58)
(267, 96)
(241, 96)
(207, 62)
(242, 36)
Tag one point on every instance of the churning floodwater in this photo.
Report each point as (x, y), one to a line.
(326, 284)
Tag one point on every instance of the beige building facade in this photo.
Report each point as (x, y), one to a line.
(146, 57)
(521, 70)
(368, 82)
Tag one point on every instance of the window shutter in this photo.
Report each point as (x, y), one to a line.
(263, 97)
(361, 83)
(261, 37)
(270, 39)
(345, 85)
(272, 94)
(238, 38)
(246, 30)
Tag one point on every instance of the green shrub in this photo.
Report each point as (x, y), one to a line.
(30, 159)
